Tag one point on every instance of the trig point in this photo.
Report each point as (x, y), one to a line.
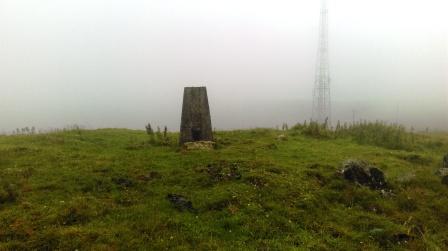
(196, 124)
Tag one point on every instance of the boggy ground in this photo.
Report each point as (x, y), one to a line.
(111, 190)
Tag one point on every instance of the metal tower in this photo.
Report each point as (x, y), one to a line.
(321, 94)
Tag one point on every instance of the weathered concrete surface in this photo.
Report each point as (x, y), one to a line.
(196, 124)
(199, 145)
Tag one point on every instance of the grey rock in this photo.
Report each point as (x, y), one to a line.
(364, 174)
(445, 161)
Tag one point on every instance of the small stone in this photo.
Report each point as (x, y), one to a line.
(275, 170)
(180, 203)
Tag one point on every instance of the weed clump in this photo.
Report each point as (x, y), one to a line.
(8, 192)
(150, 176)
(380, 134)
(80, 211)
(416, 159)
(149, 130)
(123, 182)
(180, 203)
(96, 185)
(406, 203)
(223, 171)
(318, 176)
(222, 204)
(158, 138)
(314, 129)
(257, 181)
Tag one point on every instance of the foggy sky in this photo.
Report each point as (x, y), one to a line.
(117, 63)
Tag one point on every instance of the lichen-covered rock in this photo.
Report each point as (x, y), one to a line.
(199, 145)
(364, 174)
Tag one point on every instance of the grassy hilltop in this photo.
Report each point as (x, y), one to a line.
(107, 190)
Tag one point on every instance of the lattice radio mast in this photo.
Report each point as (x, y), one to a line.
(321, 94)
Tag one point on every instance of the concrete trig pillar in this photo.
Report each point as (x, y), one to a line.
(196, 124)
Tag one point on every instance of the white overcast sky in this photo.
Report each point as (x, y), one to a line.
(117, 63)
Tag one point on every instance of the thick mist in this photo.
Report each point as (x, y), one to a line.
(117, 63)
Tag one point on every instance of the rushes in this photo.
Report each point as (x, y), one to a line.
(391, 136)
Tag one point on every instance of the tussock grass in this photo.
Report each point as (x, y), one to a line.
(391, 136)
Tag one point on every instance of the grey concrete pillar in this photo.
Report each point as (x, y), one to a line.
(196, 124)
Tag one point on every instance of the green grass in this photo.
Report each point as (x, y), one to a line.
(62, 191)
